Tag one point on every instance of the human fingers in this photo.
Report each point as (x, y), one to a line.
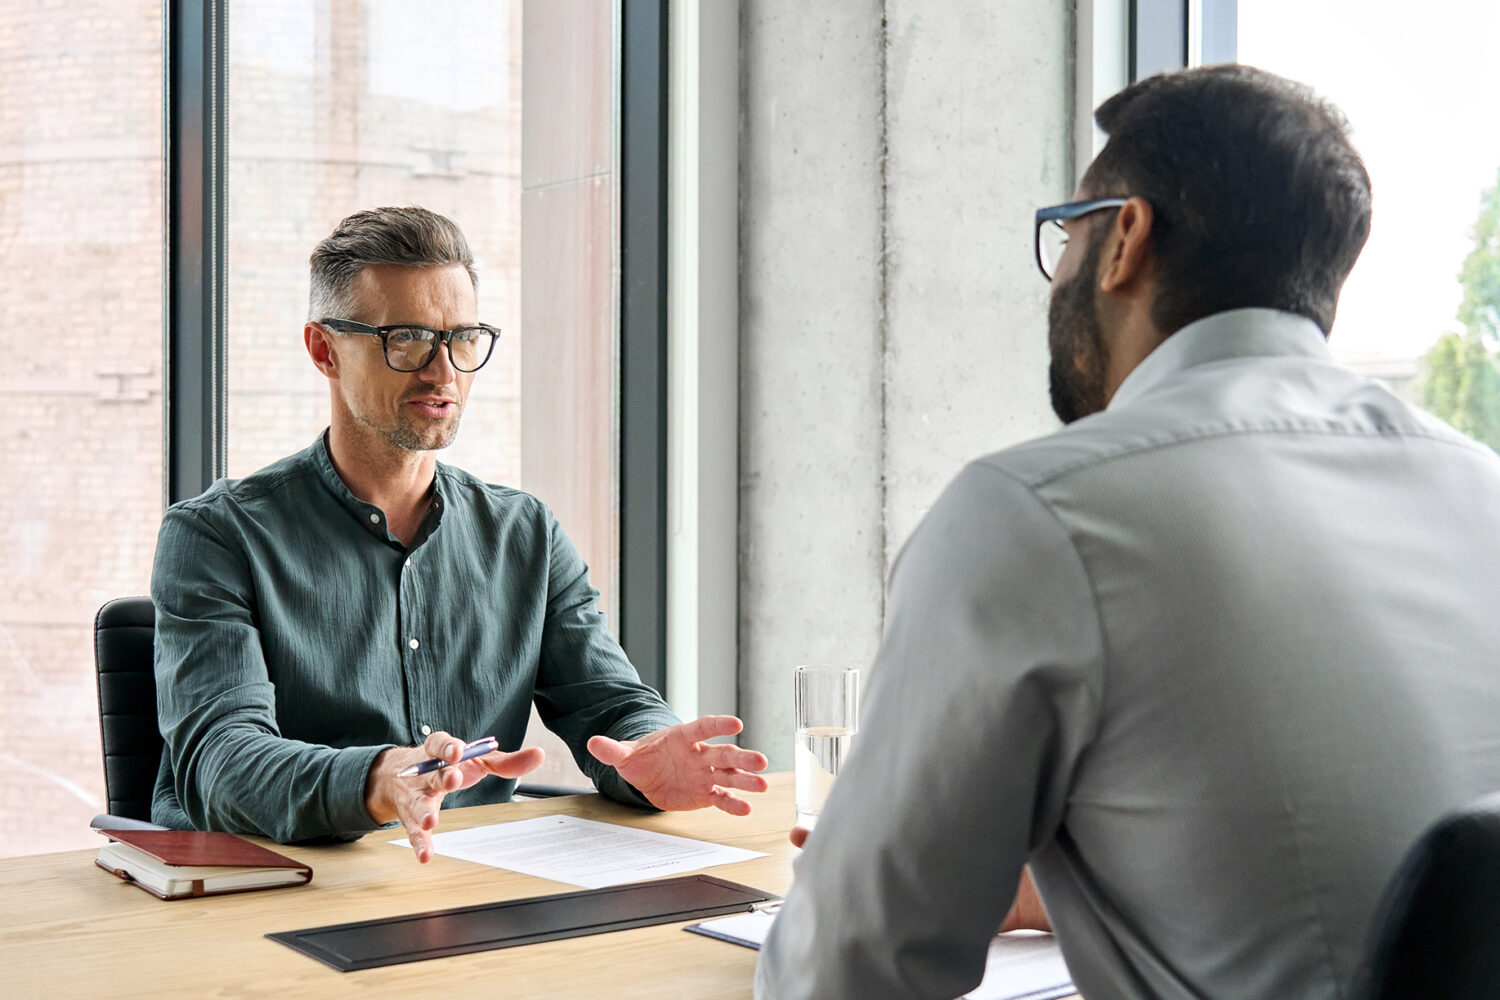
(732, 804)
(608, 751)
(742, 780)
(512, 765)
(421, 844)
(444, 746)
(418, 812)
(727, 755)
(798, 836)
(708, 726)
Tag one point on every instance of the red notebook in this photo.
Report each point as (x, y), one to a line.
(177, 864)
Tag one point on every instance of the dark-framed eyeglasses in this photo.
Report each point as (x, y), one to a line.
(410, 348)
(1052, 238)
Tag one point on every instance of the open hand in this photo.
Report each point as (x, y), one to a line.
(674, 769)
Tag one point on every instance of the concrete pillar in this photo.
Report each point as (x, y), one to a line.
(811, 541)
(893, 322)
(978, 137)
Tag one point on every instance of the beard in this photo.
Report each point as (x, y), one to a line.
(407, 435)
(1075, 340)
(412, 433)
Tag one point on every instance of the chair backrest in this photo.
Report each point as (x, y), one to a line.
(123, 633)
(1437, 935)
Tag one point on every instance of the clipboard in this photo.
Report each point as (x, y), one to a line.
(369, 944)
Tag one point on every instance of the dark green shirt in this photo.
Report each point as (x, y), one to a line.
(297, 638)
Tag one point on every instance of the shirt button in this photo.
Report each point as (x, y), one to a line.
(414, 644)
(408, 564)
(426, 730)
(374, 518)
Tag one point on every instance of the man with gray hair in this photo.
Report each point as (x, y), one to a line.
(357, 608)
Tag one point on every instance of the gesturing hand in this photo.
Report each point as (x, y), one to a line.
(675, 769)
(415, 801)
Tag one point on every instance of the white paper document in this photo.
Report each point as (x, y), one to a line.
(748, 929)
(582, 852)
(1022, 965)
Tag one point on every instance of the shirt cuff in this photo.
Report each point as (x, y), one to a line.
(346, 795)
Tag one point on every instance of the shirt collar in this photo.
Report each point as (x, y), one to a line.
(1238, 333)
(371, 517)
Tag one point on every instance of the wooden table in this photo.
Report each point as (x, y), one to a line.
(69, 929)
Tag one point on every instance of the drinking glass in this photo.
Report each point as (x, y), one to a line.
(827, 713)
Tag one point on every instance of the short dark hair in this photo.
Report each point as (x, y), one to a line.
(1258, 197)
(407, 237)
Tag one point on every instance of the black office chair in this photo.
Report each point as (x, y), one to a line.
(1437, 933)
(123, 633)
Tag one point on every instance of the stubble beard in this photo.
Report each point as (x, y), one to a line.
(1075, 341)
(409, 435)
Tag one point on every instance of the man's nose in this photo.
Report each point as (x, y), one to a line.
(440, 370)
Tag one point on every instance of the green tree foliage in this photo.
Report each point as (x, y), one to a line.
(1460, 380)
(1480, 311)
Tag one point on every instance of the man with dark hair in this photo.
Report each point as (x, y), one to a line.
(1207, 660)
(329, 621)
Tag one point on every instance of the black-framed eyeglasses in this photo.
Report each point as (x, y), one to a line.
(410, 348)
(1052, 238)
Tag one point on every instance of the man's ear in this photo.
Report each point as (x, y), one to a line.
(320, 348)
(1129, 255)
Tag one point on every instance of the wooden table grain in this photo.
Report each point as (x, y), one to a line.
(69, 929)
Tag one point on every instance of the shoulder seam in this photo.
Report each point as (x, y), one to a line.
(1055, 473)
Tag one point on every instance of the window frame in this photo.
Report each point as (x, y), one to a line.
(1176, 34)
(195, 295)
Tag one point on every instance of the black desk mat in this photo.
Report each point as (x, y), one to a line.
(368, 944)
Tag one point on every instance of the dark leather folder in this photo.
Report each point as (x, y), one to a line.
(368, 944)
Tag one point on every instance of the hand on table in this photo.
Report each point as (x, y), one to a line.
(415, 800)
(674, 769)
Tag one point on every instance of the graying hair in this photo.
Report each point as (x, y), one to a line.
(407, 237)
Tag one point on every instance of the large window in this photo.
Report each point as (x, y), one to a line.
(1418, 87)
(81, 387)
(335, 107)
(502, 114)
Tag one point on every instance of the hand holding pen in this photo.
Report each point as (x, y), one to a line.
(408, 784)
(480, 747)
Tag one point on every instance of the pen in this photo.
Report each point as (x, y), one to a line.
(478, 748)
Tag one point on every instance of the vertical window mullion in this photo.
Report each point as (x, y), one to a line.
(643, 337)
(195, 287)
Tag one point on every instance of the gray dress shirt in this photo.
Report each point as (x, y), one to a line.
(296, 638)
(1209, 660)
